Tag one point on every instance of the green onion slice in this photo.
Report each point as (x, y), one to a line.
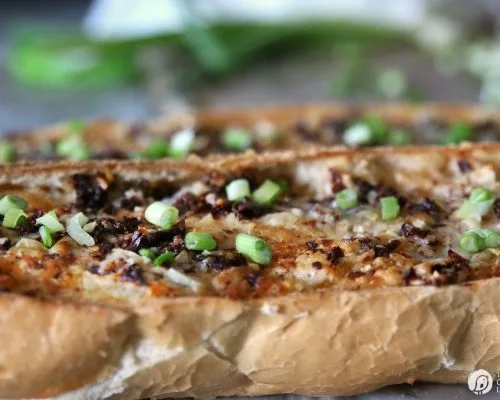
(165, 258)
(149, 253)
(458, 133)
(75, 230)
(73, 148)
(345, 199)
(161, 214)
(399, 137)
(267, 193)
(50, 221)
(7, 152)
(181, 143)
(358, 134)
(158, 148)
(254, 248)
(491, 238)
(390, 207)
(14, 217)
(11, 201)
(478, 204)
(46, 236)
(238, 189)
(76, 126)
(479, 195)
(237, 139)
(472, 242)
(199, 241)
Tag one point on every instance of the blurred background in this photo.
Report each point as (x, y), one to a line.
(129, 59)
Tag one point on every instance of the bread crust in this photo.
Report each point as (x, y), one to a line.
(325, 343)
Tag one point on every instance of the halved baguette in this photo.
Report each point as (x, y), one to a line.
(271, 128)
(64, 339)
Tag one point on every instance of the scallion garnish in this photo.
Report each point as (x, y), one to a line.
(149, 253)
(76, 126)
(7, 152)
(399, 137)
(50, 221)
(14, 217)
(459, 132)
(181, 143)
(479, 195)
(158, 148)
(161, 214)
(491, 238)
(389, 207)
(75, 230)
(11, 201)
(267, 193)
(73, 148)
(478, 204)
(237, 139)
(358, 134)
(165, 258)
(345, 199)
(199, 241)
(378, 128)
(46, 236)
(238, 189)
(253, 248)
(472, 242)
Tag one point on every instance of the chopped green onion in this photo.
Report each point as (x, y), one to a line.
(478, 204)
(399, 137)
(46, 236)
(75, 230)
(458, 133)
(390, 207)
(165, 258)
(149, 253)
(76, 126)
(491, 238)
(392, 83)
(238, 189)
(73, 148)
(479, 195)
(90, 227)
(267, 193)
(50, 221)
(7, 152)
(14, 217)
(80, 154)
(158, 148)
(283, 185)
(199, 241)
(237, 139)
(181, 143)
(378, 128)
(181, 278)
(358, 135)
(161, 214)
(472, 242)
(10, 201)
(345, 199)
(474, 211)
(254, 248)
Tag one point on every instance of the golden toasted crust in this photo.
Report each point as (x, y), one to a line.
(324, 343)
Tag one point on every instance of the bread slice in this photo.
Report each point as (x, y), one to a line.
(271, 128)
(350, 302)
